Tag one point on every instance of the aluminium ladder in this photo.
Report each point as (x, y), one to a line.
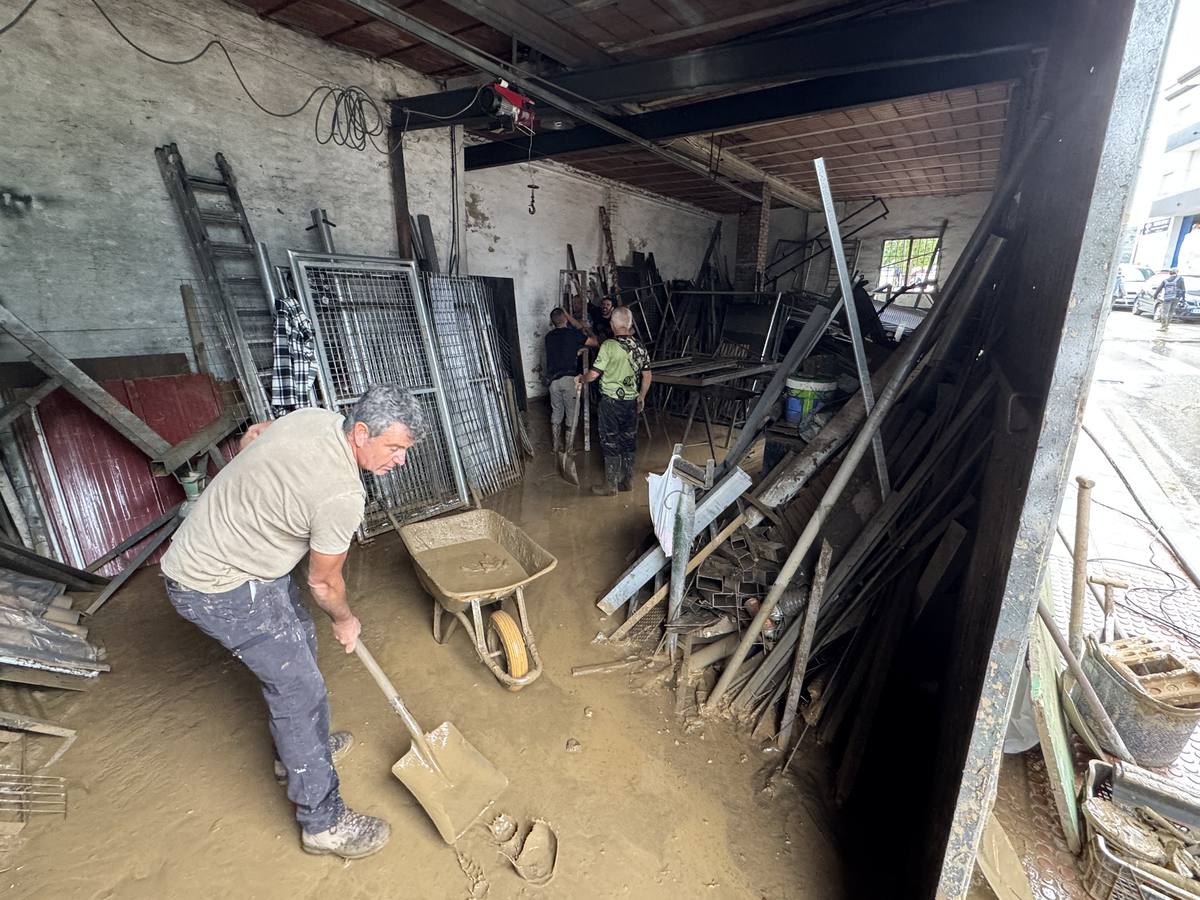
(233, 267)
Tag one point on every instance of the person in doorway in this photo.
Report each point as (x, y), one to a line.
(623, 369)
(563, 344)
(1173, 290)
(293, 489)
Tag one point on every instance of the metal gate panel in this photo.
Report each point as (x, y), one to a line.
(470, 357)
(372, 326)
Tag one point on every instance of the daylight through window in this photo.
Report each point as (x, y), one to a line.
(909, 261)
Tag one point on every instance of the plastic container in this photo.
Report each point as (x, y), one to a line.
(806, 395)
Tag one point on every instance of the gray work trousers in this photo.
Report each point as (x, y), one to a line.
(562, 400)
(265, 625)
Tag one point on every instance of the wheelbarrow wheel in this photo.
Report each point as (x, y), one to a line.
(504, 634)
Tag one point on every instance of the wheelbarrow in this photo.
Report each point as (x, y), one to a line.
(476, 559)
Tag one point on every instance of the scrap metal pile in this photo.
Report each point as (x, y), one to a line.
(799, 588)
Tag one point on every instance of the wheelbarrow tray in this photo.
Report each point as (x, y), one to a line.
(423, 539)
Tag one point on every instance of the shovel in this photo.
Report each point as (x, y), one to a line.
(566, 459)
(450, 779)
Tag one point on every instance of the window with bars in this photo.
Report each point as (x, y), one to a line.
(909, 261)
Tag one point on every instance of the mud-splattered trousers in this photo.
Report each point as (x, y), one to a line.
(618, 427)
(265, 625)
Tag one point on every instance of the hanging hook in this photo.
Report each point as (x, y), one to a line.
(532, 199)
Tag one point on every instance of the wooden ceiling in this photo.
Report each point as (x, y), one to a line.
(943, 143)
(940, 143)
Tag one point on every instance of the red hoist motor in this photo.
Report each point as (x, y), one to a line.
(516, 107)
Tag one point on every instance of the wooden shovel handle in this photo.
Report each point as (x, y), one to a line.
(389, 691)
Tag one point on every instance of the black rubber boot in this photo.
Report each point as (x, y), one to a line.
(626, 481)
(612, 472)
(556, 432)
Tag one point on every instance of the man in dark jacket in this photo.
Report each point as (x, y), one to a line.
(1173, 290)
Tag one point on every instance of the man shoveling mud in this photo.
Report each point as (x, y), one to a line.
(293, 489)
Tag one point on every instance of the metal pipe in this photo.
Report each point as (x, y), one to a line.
(911, 350)
(265, 272)
(856, 338)
(1112, 737)
(324, 229)
(1083, 515)
(685, 517)
(468, 54)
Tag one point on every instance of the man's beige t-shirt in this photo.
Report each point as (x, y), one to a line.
(295, 487)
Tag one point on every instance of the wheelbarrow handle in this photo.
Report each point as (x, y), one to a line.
(389, 691)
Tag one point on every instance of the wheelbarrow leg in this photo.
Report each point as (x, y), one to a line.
(438, 635)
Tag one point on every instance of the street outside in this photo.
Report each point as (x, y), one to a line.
(1141, 437)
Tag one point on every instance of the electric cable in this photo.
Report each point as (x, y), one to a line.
(19, 16)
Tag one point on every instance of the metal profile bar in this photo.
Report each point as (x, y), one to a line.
(856, 338)
(711, 505)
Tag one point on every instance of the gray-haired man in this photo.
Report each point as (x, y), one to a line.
(293, 489)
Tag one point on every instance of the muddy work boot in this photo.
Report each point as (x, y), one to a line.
(556, 433)
(340, 743)
(352, 836)
(626, 481)
(612, 473)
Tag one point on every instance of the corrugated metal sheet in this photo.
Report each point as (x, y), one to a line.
(106, 483)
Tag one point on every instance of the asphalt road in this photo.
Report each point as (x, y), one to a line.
(1152, 382)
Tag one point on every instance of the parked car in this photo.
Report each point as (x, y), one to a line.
(1186, 309)
(1129, 282)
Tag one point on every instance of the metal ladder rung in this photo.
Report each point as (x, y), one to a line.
(207, 184)
(228, 249)
(222, 216)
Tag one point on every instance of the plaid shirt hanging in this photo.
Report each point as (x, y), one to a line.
(295, 352)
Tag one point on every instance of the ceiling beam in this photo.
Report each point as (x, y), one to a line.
(756, 107)
(547, 94)
(935, 35)
(531, 28)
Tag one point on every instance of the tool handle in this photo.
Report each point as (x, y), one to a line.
(389, 691)
(570, 445)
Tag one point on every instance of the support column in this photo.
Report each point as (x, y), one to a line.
(753, 223)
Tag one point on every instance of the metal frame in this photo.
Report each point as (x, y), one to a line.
(466, 342)
(385, 493)
(476, 630)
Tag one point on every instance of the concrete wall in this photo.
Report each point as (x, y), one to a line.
(503, 239)
(94, 258)
(907, 217)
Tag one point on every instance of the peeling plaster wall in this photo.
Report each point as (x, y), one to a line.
(91, 247)
(502, 239)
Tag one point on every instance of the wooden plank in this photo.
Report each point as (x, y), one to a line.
(42, 678)
(1000, 864)
(18, 408)
(200, 441)
(1052, 729)
(80, 384)
(19, 559)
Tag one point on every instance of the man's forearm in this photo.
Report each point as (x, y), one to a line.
(646, 377)
(331, 597)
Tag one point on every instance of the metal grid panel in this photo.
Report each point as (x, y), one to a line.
(469, 353)
(372, 327)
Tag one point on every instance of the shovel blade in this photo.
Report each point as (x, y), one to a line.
(566, 467)
(466, 788)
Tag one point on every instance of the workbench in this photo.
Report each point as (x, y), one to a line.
(708, 379)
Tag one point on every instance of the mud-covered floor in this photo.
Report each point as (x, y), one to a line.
(171, 793)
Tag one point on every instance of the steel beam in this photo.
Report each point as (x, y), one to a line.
(531, 28)
(752, 108)
(936, 35)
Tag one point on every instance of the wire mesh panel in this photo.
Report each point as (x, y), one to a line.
(372, 327)
(470, 356)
